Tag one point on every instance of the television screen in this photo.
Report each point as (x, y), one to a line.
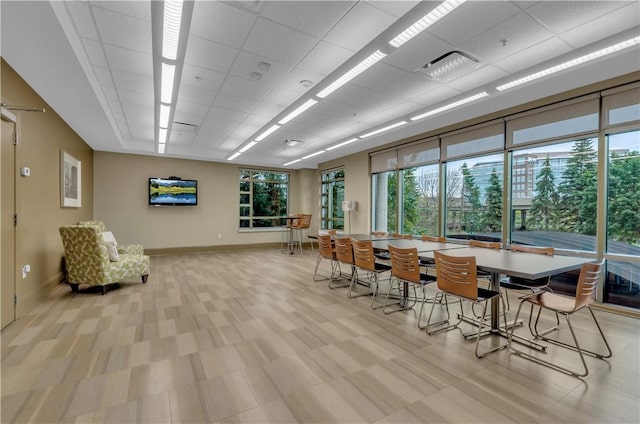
(172, 192)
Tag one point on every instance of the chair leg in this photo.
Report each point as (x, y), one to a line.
(445, 321)
(144, 278)
(433, 300)
(484, 313)
(74, 287)
(315, 272)
(354, 281)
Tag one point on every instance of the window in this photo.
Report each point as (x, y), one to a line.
(263, 198)
(474, 197)
(384, 209)
(560, 210)
(622, 284)
(419, 212)
(332, 195)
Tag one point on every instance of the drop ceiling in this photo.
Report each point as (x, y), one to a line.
(91, 61)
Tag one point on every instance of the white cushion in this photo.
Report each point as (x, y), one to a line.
(112, 250)
(108, 237)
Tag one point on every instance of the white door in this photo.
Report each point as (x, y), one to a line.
(7, 227)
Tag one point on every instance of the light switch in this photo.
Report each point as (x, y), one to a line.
(25, 171)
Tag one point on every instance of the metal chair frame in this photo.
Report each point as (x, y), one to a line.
(585, 291)
(326, 251)
(344, 255)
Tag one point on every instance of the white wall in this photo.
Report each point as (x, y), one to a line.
(121, 201)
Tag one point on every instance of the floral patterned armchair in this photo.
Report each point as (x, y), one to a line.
(87, 259)
(136, 249)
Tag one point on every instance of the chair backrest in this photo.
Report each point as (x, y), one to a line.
(405, 263)
(549, 251)
(587, 283)
(331, 232)
(295, 223)
(305, 221)
(325, 247)
(363, 256)
(434, 239)
(485, 244)
(404, 236)
(457, 274)
(101, 227)
(85, 254)
(344, 252)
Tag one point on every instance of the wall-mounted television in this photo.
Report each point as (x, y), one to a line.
(172, 192)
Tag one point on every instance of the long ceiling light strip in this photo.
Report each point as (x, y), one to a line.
(267, 132)
(383, 129)
(165, 111)
(248, 146)
(292, 162)
(166, 82)
(429, 19)
(352, 73)
(233, 156)
(306, 105)
(161, 147)
(313, 154)
(344, 143)
(162, 135)
(171, 28)
(450, 106)
(571, 63)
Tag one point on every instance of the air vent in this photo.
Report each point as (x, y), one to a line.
(291, 142)
(183, 127)
(449, 66)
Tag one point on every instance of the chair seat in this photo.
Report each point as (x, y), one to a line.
(553, 302)
(521, 283)
(381, 267)
(484, 294)
(426, 278)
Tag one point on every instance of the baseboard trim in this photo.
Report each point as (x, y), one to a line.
(200, 249)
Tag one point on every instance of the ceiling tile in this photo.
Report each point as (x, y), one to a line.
(409, 86)
(129, 60)
(207, 54)
(189, 113)
(121, 122)
(228, 101)
(282, 97)
(379, 76)
(136, 98)
(325, 58)
(110, 93)
(116, 108)
(608, 25)
(279, 43)
(247, 63)
(94, 52)
(246, 88)
(561, 16)
(361, 25)
(350, 94)
(219, 22)
(521, 32)
(292, 80)
(421, 50)
(143, 84)
(194, 94)
(123, 31)
(104, 76)
(202, 78)
(80, 13)
(315, 18)
(137, 9)
(256, 118)
(394, 8)
(539, 53)
(216, 114)
(471, 19)
(435, 95)
(478, 78)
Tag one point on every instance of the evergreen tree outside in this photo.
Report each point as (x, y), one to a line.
(492, 216)
(545, 201)
(410, 202)
(392, 201)
(577, 207)
(624, 198)
(471, 205)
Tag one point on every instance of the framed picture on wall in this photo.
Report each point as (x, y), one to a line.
(70, 181)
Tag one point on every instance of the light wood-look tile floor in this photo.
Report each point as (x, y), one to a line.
(248, 336)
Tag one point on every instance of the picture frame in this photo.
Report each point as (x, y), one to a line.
(70, 181)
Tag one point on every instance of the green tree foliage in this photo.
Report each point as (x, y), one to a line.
(578, 189)
(492, 215)
(544, 204)
(471, 206)
(392, 201)
(410, 205)
(624, 198)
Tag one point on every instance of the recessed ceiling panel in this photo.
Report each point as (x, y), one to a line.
(194, 94)
(216, 114)
(395, 8)
(129, 60)
(207, 54)
(137, 9)
(539, 53)
(478, 78)
(362, 24)
(216, 21)
(608, 25)
(133, 82)
(248, 63)
(246, 88)
(123, 31)
(278, 42)
(315, 18)
(325, 58)
(205, 79)
(561, 16)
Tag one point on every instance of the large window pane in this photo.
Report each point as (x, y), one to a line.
(554, 195)
(384, 209)
(263, 198)
(623, 213)
(331, 214)
(474, 197)
(419, 213)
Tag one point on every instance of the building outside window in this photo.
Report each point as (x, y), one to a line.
(332, 195)
(263, 198)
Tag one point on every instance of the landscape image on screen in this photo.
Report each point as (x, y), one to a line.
(164, 191)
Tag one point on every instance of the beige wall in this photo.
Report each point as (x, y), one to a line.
(42, 136)
(121, 201)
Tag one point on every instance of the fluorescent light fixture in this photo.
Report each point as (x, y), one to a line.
(450, 106)
(233, 156)
(171, 28)
(427, 20)
(354, 72)
(164, 116)
(161, 148)
(566, 65)
(267, 132)
(292, 162)
(306, 105)
(313, 154)
(162, 135)
(166, 82)
(388, 127)
(248, 146)
(344, 143)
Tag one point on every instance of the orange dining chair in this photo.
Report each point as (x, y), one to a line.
(328, 252)
(344, 255)
(365, 260)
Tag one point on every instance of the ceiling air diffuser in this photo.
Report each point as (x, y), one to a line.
(449, 66)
